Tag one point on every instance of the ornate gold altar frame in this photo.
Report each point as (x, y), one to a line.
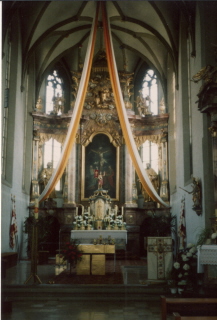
(84, 164)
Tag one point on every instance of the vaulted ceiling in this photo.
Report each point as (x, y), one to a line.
(142, 32)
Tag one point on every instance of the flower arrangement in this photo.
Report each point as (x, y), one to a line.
(71, 253)
(184, 268)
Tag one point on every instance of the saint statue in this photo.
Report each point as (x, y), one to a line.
(153, 176)
(45, 177)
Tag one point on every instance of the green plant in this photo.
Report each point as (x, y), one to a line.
(48, 233)
(203, 236)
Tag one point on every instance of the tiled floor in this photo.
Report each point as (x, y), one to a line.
(78, 310)
(52, 310)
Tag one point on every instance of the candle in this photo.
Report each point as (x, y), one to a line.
(76, 212)
(216, 212)
(122, 211)
(88, 209)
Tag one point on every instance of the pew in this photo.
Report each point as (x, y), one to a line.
(10, 258)
(177, 316)
(189, 306)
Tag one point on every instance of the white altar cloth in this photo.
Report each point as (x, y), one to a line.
(86, 235)
(206, 254)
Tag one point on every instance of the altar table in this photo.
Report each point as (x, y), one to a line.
(93, 258)
(207, 262)
(87, 236)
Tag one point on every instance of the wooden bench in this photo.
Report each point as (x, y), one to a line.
(178, 317)
(189, 306)
(11, 258)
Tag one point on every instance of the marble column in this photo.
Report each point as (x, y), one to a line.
(129, 180)
(164, 169)
(35, 185)
(72, 175)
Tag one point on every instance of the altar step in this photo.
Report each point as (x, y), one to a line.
(81, 292)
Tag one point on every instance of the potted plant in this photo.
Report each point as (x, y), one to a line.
(71, 253)
(204, 236)
(184, 269)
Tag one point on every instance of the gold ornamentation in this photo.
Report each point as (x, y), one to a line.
(213, 131)
(139, 140)
(208, 74)
(39, 105)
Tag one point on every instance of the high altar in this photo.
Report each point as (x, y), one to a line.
(100, 223)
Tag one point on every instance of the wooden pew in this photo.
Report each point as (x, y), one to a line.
(189, 306)
(11, 258)
(178, 317)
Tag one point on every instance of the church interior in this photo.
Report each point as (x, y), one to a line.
(108, 159)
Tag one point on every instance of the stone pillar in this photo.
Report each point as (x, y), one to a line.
(35, 185)
(129, 180)
(71, 176)
(164, 169)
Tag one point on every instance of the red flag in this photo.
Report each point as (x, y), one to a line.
(13, 226)
(182, 226)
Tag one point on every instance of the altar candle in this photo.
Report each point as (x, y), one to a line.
(122, 211)
(89, 210)
(82, 210)
(76, 212)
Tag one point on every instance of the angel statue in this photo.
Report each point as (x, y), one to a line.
(196, 195)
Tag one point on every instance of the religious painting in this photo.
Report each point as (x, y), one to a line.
(100, 169)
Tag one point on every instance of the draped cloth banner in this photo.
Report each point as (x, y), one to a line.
(125, 126)
(70, 138)
(77, 112)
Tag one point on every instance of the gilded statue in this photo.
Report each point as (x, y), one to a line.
(196, 195)
(154, 178)
(141, 104)
(58, 104)
(45, 177)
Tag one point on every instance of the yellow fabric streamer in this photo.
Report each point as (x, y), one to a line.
(146, 183)
(71, 135)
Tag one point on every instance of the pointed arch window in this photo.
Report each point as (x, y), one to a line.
(150, 91)
(54, 94)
